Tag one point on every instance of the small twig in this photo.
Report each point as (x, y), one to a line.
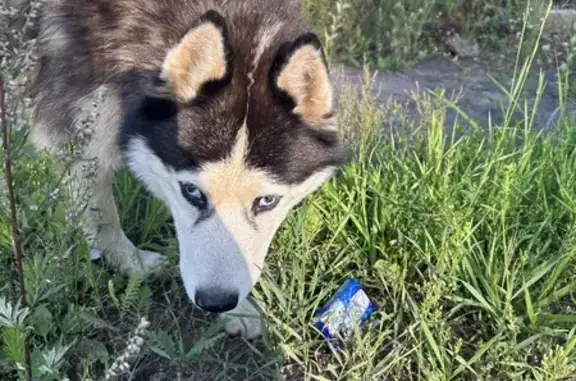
(13, 217)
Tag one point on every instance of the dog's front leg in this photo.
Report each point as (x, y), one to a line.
(102, 223)
(243, 320)
(91, 185)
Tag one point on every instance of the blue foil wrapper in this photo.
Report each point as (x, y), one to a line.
(347, 309)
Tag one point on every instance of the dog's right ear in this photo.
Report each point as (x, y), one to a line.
(299, 74)
(201, 57)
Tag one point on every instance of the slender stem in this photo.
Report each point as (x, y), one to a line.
(13, 217)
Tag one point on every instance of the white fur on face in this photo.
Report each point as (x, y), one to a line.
(227, 249)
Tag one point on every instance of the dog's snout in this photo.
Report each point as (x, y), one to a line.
(215, 300)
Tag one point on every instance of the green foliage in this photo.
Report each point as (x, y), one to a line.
(171, 346)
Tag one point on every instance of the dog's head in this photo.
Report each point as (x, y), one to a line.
(231, 139)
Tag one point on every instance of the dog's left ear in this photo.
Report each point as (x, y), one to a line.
(300, 73)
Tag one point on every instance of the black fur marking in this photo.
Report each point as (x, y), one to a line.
(160, 135)
(290, 149)
(278, 64)
(204, 215)
(159, 109)
(214, 17)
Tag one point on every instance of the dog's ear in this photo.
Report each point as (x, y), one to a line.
(300, 76)
(200, 58)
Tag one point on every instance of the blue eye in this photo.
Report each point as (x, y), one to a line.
(192, 191)
(265, 203)
(193, 195)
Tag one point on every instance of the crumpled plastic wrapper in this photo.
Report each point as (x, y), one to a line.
(344, 312)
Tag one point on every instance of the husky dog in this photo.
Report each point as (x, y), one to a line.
(222, 108)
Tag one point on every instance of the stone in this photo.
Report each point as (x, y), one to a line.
(461, 47)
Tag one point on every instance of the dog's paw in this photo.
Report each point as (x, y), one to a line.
(244, 320)
(248, 328)
(149, 262)
(131, 260)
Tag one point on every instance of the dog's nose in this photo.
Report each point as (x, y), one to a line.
(216, 301)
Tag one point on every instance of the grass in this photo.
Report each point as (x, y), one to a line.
(466, 243)
(395, 34)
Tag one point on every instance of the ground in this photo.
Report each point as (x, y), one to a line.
(458, 218)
